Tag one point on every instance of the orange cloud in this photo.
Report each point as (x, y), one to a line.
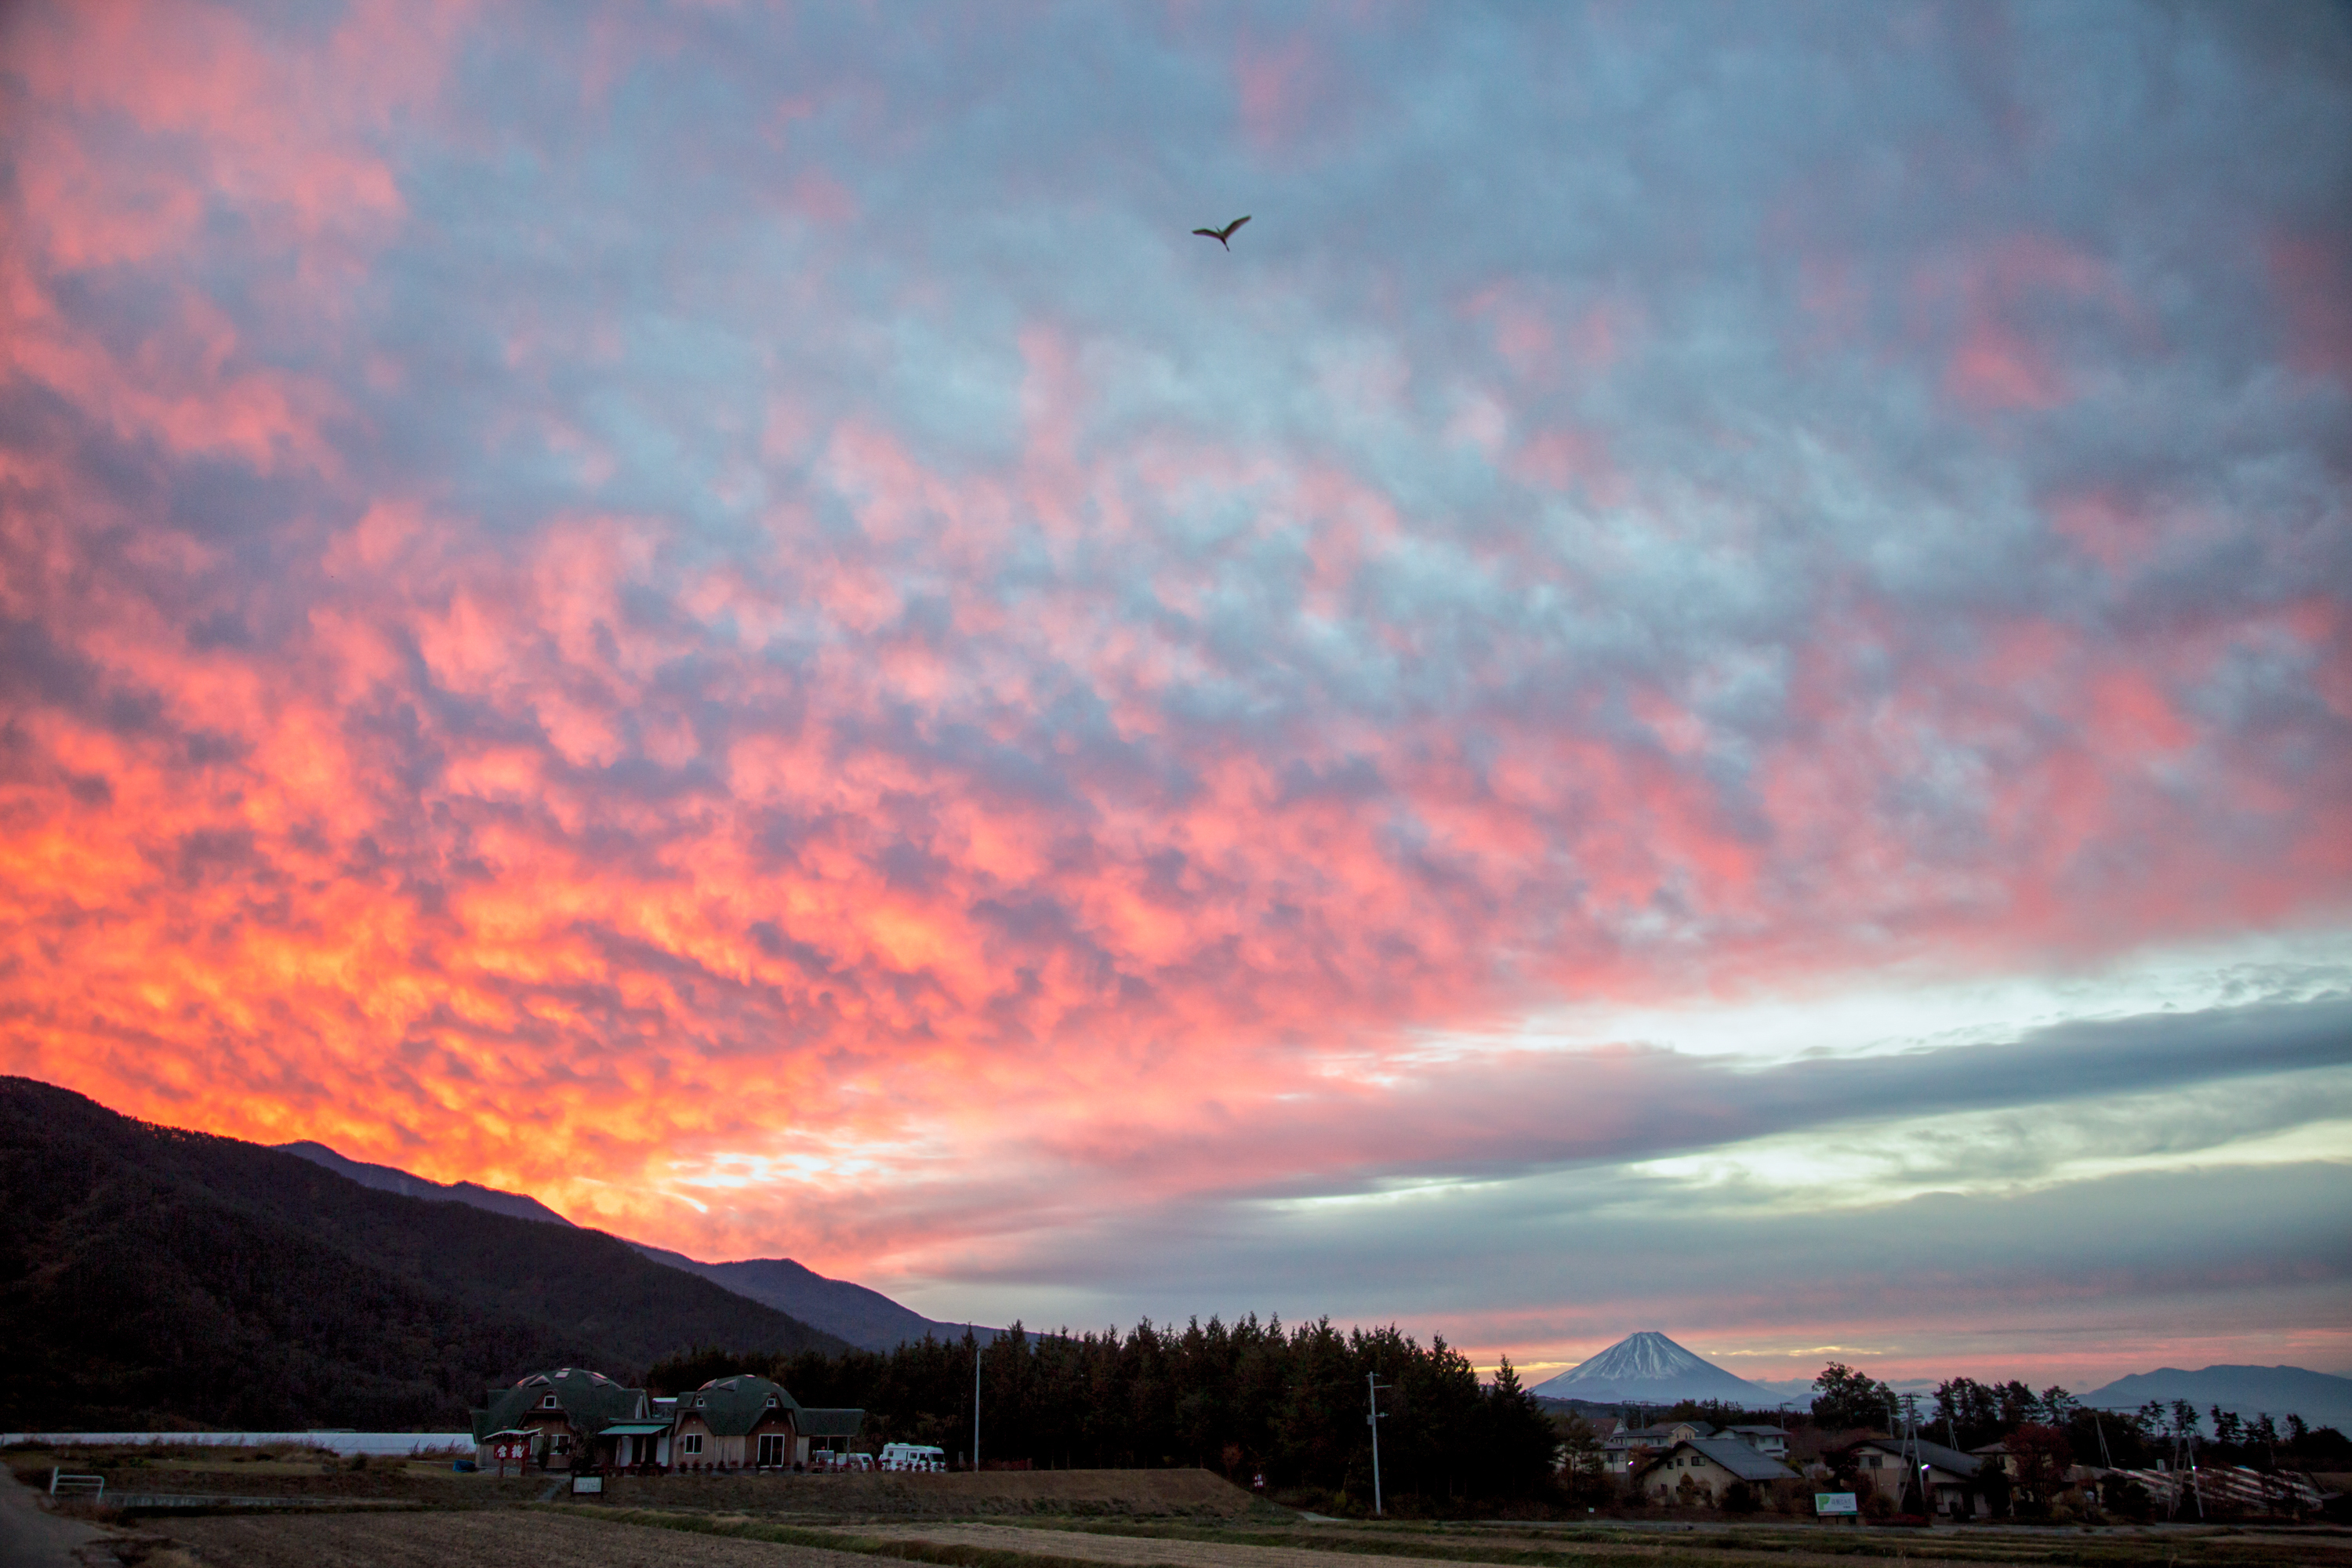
(692, 782)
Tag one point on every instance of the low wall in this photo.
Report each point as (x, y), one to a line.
(1186, 1493)
(372, 1444)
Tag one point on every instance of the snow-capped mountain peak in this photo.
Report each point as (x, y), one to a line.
(1650, 1367)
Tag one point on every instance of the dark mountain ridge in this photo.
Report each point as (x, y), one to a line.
(391, 1179)
(151, 1276)
(864, 1317)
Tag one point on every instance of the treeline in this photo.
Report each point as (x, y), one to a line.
(1244, 1399)
(2052, 1429)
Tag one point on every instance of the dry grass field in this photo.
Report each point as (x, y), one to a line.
(600, 1539)
(285, 1472)
(1060, 1519)
(1412, 1546)
(497, 1535)
(1109, 1494)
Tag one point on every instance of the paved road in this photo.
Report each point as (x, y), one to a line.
(31, 1536)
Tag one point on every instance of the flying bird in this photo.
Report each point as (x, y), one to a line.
(1221, 236)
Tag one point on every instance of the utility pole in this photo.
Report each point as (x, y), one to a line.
(1372, 1387)
(1913, 1459)
(976, 1348)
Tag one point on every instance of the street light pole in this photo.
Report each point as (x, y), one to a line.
(1372, 1387)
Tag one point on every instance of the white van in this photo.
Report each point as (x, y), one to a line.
(912, 1457)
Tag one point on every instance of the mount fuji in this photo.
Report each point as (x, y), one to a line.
(1648, 1368)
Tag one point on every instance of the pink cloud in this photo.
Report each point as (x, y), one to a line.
(2009, 302)
(2313, 277)
(484, 786)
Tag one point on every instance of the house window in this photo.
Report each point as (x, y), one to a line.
(694, 1442)
(548, 1403)
(562, 1444)
(771, 1449)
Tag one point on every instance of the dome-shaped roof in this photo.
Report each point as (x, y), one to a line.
(565, 1375)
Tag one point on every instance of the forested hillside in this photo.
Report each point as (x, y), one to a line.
(149, 1276)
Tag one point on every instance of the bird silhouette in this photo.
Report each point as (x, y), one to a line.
(1221, 236)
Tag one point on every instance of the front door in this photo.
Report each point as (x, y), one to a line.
(772, 1449)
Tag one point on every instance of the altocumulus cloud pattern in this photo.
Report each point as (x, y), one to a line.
(700, 610)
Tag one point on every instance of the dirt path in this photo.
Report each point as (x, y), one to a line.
(491, 1535)
(31, 1536)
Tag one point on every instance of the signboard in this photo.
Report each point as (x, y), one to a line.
(587, 1484)
(1836, 1502)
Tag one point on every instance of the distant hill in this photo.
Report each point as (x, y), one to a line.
(1648, 1368)
(155, 1277)
(2318, 1397)
(864, 1317)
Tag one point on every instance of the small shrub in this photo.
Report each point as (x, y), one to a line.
(1739, 1498)
(358, 1462)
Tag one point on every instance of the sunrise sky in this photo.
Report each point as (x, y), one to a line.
(1706, 685)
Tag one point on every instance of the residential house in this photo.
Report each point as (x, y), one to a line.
(1772, 1442)
(1704, 1470)
(738, 1423)
(1950, 1478)
(1625, 1450)
(828, 1430)
(574, 1417)
(1626, 1447)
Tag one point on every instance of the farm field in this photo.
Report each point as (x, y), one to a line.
(1106, 1494)
(1416, 1546)
(1193, 1495)
(1060, 1519)
(603, 1539)
(302, 1473)
(494, 1535)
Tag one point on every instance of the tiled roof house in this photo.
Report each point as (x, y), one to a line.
(1950, 1480)
(830, 1428)
(1710, 1465)
(738, 1423)
(566, 1411)
(1626, 1449)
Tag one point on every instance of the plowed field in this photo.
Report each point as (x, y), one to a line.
(489, 1535)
